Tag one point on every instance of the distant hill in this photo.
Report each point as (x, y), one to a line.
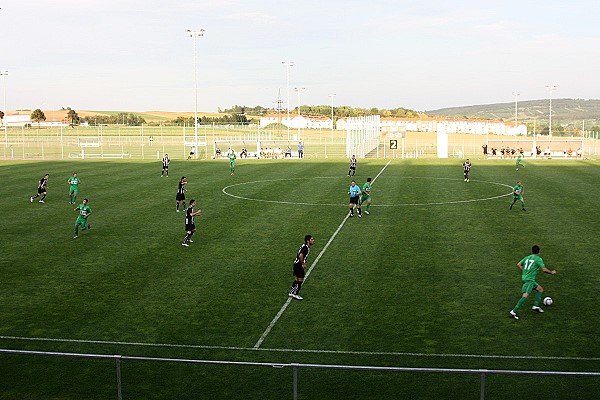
(564, 111)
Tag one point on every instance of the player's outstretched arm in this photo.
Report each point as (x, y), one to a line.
(548, 271)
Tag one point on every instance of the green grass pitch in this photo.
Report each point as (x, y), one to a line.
(426, 280)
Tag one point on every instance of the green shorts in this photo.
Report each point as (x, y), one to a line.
(231, 164)
(519, 197)
(364, 198)
(529, 286)
(73, 190)
(82, 222)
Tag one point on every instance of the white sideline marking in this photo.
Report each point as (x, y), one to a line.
(314, 351)
(289, 299)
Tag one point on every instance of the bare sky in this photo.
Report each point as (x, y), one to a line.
(134, 55)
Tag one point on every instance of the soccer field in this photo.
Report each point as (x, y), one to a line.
(425, 280)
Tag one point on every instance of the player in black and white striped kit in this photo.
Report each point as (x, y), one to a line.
(41, 190)
(352, 168)
(300, 266)
(181, 193)
(190, 226)
(165, 168)
(466, 169)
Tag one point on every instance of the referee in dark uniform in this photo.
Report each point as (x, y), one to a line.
(300, 266)
(190, 226)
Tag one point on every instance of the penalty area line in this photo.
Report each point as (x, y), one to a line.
(289, 299)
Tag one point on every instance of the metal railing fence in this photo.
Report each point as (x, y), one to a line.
(296, 367)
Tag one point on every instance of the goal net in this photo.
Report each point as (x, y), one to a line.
(362, 135)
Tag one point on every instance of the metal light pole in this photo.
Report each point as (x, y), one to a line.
(287, 65)
(4, 74)
(194, 35)
(298, 90)
(332, 95)
(516, 94)
(550, 88)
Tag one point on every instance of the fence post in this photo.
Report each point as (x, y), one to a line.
(295, 373)
(482, 385)
(119, 390)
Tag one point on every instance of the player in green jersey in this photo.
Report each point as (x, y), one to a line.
(73, 182)
(231, 162)
(82, 219)
(518, 195)
(530, 266)
(365, 196)
(519, 161)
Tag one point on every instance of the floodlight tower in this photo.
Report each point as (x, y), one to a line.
(194, 35)
(287, 65)
(331, 95)
(550, 88)
(298, 90)
(516, 94)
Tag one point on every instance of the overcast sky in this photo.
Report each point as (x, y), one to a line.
(134, 55)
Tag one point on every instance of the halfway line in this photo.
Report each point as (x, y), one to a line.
(289, 299)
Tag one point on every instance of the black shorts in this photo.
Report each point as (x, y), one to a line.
(298, 271)
(190, 227)
(41, 190)
(354, 200)
(180, 196)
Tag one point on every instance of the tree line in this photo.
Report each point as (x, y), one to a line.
(339, 112)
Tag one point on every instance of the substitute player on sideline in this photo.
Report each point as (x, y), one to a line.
(82, 219)
(190, 226)
(165, 165)
(366, 195)
(300, 267)
(354, 193)
(530, 266)
(41, 190)
(73, 182)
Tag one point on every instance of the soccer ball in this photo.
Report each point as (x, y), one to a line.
(548, 301)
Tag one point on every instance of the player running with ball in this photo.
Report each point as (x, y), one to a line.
(530, 266)
(82, 219)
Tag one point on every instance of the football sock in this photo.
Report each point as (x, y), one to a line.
(359, 212)
(76, 230)
(520, 303)
(36, 196)
(184, 205)
(368, 206)
(186, 238)
(177, 205)
(43, 197)
(352, 211)
(293, 288)
(298, 286)
(538, 298)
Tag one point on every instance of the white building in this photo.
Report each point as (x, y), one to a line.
(297, 121)
(452, 126)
